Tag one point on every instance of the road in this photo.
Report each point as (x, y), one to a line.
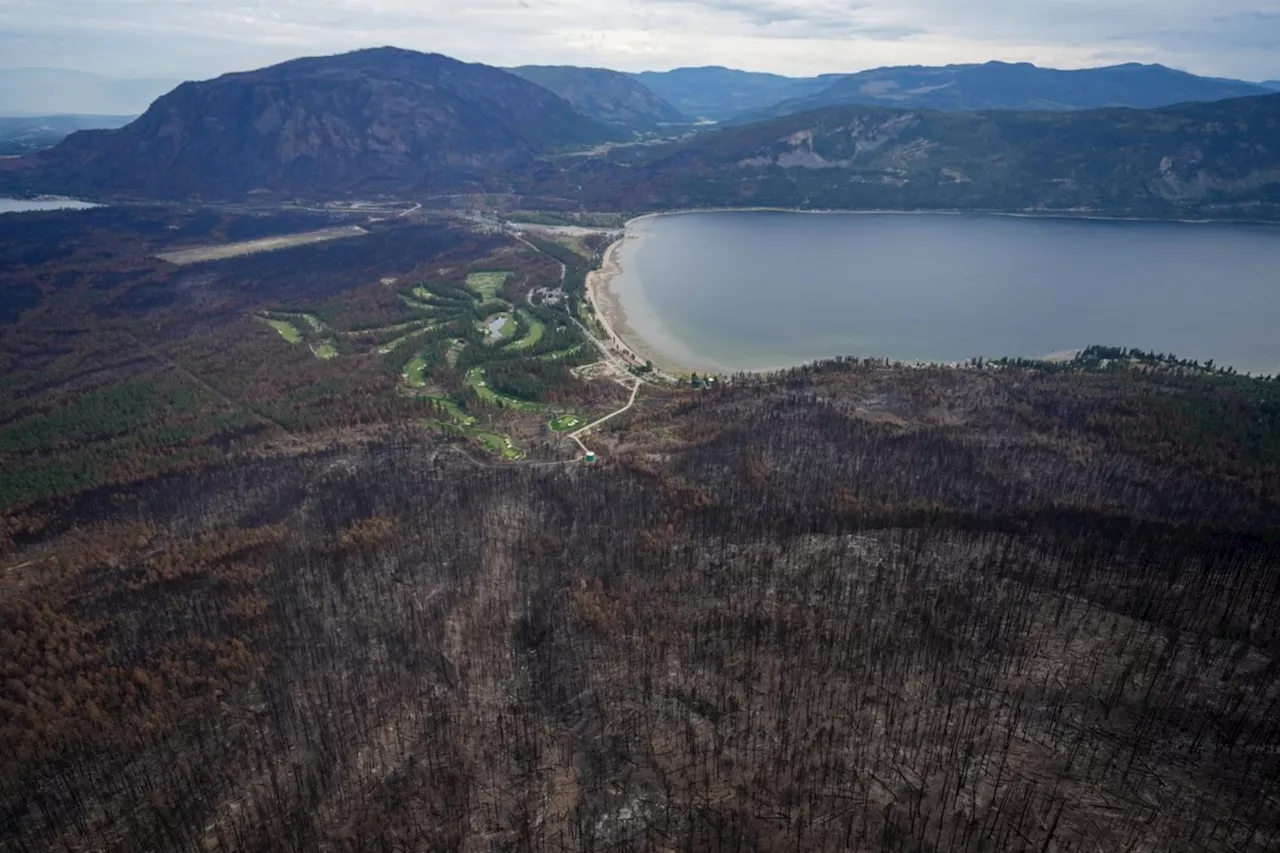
(576, 435)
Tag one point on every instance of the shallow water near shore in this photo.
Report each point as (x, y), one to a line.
(730, 291)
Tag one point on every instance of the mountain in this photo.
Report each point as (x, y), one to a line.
(1271, 84)
(1216, 160)
(26, 135)
(607, 96)
(718, 93)
(372, 121)
(1021, 86)
(46, 91)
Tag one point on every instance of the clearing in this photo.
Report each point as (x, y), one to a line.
(200, 254)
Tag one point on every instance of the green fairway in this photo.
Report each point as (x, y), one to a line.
(492, 441)
(287, 330)
(415, 304)
(382, 330)
(393, 345)
(495, 443)
(475, 379)
(316, 324)
(487, 284)
(567, 422)
(455, 411)
(559, 354)
(325, 350)
(536, 330)
(414, 372)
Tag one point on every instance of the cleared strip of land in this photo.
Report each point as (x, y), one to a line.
(201, 254)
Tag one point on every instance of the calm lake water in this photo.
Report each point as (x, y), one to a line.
(22, 205)
(760, 290)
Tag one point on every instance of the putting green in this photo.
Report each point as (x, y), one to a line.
(566, 423)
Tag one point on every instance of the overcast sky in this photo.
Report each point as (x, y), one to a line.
(201, 38)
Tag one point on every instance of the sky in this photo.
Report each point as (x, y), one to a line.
(194, 39)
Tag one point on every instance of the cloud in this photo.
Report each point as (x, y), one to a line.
(193, 38)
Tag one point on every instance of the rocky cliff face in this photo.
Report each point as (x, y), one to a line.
(374, 121)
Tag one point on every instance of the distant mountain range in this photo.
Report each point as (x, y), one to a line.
(1019, 86)
(1272, 84)
(718, 93)
(607, 96)
(399, 123)
(26, 92)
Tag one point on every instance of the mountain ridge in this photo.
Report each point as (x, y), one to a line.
(376, 120)
(1024, 86)
(398, 124)
(1172, 162)
(607, 96)
(717, 93)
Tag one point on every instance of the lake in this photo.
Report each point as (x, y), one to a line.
(23, 205)
(759, 290)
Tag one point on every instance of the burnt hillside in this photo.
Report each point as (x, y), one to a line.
(860, 609)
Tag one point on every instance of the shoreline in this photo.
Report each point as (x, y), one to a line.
(950, 211)
(612, 316)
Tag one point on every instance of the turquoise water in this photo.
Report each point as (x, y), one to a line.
(759, 290)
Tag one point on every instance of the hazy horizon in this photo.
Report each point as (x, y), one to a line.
(203, 38)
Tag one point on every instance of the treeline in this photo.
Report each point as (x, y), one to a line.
(527, 379)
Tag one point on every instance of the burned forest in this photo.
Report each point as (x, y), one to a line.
(856, 608)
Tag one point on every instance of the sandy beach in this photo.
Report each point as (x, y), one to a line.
(613, 317)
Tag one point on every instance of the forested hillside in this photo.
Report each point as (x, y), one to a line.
(1213, 160)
